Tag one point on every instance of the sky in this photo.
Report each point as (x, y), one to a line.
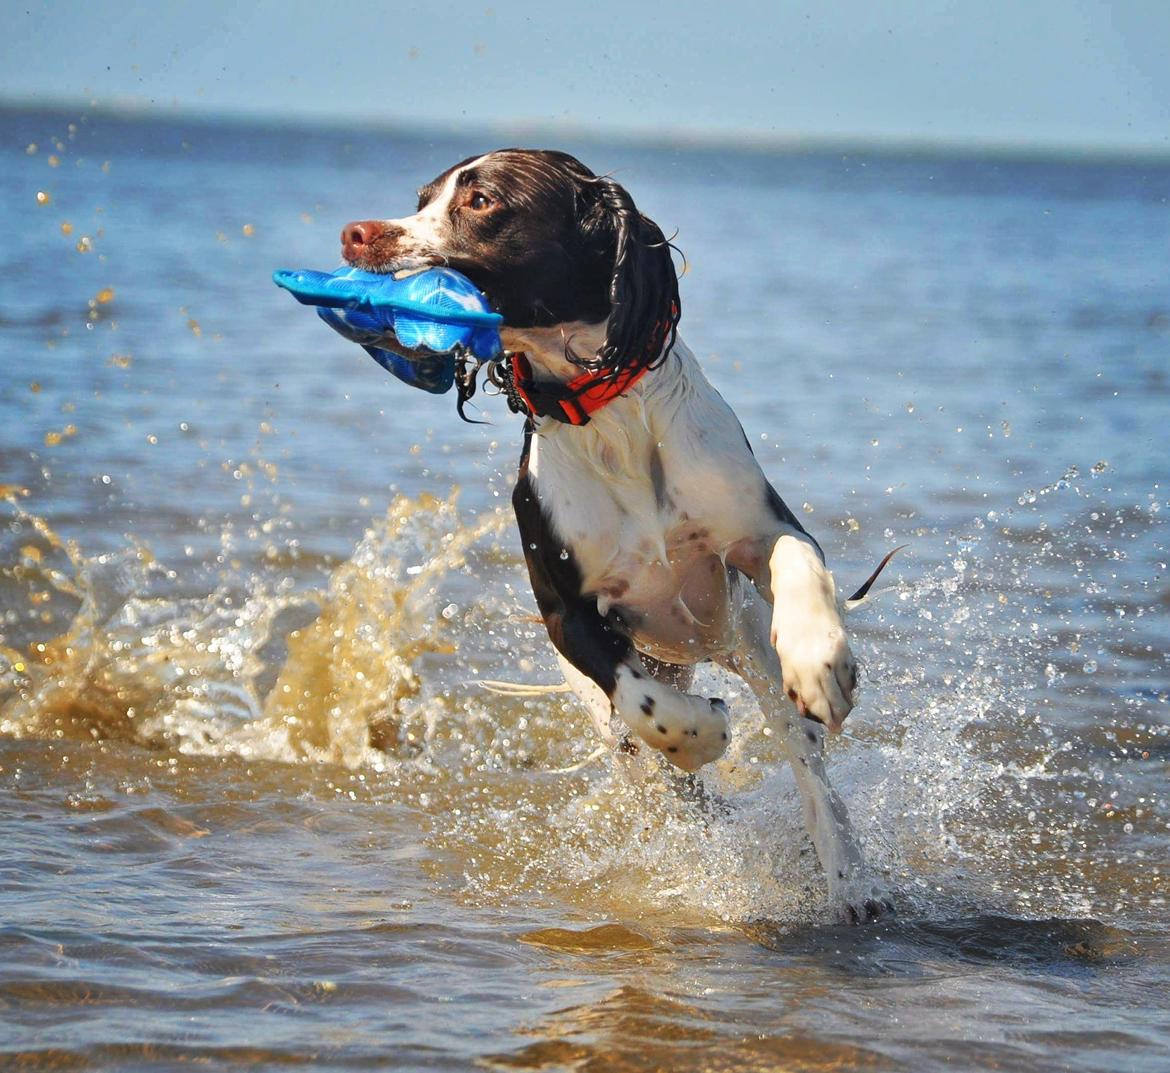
(1057, 73)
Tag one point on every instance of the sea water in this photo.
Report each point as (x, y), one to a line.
(258, 806)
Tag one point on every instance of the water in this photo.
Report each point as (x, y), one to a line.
(257, 808)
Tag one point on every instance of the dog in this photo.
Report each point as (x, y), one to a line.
(653, 540)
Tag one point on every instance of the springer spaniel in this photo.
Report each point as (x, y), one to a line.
(653, 539)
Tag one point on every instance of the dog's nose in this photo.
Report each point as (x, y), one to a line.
(360, 234)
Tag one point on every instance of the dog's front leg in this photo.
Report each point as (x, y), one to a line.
(820, 673)
(854, 895)
(689, 730)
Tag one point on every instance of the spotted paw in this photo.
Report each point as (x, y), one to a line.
(690, 731)
(699, 734)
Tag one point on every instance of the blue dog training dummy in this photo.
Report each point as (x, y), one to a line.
(413, 327)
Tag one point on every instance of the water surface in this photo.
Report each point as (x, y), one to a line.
(257, 808)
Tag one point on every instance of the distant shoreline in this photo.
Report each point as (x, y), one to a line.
(674, 139)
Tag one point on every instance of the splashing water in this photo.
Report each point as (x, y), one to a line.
(282, 675)
(966, 791)
(255, 806)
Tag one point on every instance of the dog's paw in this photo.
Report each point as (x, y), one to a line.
(863, 903)
(820, 673)
(690, 731)
(694, 733)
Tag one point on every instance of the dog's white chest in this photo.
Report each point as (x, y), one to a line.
(649, 560)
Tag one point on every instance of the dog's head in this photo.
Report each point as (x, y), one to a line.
(547, 241)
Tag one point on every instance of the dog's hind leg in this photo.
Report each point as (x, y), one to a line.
(851, 892)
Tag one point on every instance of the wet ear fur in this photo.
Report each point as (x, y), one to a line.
(643, 288)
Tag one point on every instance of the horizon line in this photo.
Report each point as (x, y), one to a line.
(694, 138)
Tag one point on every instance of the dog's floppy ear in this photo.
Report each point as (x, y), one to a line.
(643, 289)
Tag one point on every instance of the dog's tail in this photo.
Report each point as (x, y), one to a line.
(862, 594)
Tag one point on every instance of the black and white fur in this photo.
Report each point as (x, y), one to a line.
(652, 537)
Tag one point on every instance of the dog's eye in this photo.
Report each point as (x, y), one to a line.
(480, 201)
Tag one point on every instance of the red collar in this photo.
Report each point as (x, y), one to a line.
(576, 401)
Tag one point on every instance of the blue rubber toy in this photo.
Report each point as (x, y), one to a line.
(413, 327)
